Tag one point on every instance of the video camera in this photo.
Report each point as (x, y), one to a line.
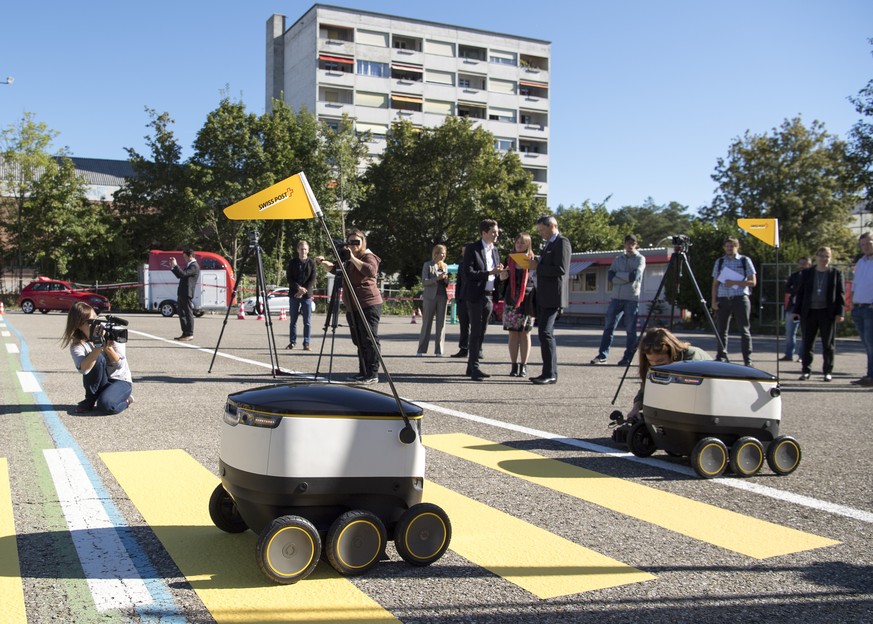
(343, 249)
(620, 427)
(104, 330)
(681, 242)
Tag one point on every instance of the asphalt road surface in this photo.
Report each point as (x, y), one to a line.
(104, 518)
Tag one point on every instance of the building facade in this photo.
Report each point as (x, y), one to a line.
(380, 69)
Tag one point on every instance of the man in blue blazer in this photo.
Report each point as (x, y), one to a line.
(480, 268)
(551, 267)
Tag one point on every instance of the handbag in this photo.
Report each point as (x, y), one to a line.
(530, 303)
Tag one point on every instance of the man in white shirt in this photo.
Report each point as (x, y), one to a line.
(862, 303)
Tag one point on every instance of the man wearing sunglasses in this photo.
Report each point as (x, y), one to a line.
(362, 268)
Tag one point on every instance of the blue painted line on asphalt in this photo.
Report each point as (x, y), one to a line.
(164, 608)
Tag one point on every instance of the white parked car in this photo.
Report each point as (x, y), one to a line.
(276, 299)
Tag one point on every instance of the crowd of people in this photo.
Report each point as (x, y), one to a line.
(532, 289)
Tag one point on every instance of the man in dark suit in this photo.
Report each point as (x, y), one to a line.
(463, 317)
(481, 266)
(551, 267)
(185, 293)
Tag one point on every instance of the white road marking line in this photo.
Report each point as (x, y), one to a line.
(762, 490)
(749, 486)
(28, 382)
(111, 575)
(11, 347)
(5, 334)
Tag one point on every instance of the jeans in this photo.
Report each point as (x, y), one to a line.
(619, 309)
(301, 307)
(863, 318)
(792, 345)
(740, 308)
(109, 395)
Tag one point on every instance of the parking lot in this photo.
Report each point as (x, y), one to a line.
(552, 521)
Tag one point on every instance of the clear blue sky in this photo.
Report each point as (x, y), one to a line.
(646, 94)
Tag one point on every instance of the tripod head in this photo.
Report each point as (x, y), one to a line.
(681, 243)
(253, 239)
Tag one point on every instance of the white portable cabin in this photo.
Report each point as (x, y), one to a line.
(214, 289)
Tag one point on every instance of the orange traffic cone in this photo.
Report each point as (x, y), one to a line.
(282, 315)
(2, 309)
(260, 315)
(241, 315)
(413, 321)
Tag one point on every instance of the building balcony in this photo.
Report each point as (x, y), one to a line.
(336, 78)
(336, 46)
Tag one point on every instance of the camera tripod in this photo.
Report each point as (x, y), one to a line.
(678, 261)
(331, 322)
(254, 247)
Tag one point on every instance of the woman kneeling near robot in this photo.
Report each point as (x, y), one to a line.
(658, 347)
(105, 373)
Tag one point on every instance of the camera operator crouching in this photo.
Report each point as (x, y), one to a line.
(98, 352)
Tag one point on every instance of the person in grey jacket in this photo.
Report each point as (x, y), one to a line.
(434, 278)
(626, 276)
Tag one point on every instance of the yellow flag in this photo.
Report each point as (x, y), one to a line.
(765, 229)
(292, 198)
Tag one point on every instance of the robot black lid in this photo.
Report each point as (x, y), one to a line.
(322, 399)
(719, 370)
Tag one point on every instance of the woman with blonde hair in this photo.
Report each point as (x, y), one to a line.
(658, 346)
(518, 304)
(102, 363)
(434, 278)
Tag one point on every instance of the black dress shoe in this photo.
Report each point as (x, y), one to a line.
(541, 381)
(522, 371)
(514, 371)
(478, 375)
(461, 354)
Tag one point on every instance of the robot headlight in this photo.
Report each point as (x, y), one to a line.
(668, 378)
(234, 416)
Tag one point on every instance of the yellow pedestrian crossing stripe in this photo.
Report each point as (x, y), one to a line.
(543, 563)
(171, 491)
(724, 528)
(11, 593)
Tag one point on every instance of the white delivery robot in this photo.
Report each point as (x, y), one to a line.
(306, 464)
(716, 413)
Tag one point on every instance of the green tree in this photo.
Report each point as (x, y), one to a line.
(589, 227)
(345, 151)
(861, 143)
(652, 223)
(228, 165)
(153, 205)
(798, 175)
(434, 185)
(25, 151)
(64, 230)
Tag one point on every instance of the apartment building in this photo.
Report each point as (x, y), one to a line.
(380, 69)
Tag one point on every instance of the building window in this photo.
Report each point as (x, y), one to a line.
(473, 111)
(472, 53)
(406, 102)
(471, 81)
(501, 114)
(331, 123)
(372, 68)
(501, 86)
(504, 145)
(589, 282)
(399, 42)
(440, 48)
(439, 108)
(336, 33)
(335, 96)
(505, 58)
(373, 100)
(440, 77)
(373, 38)
(412, 73)
(335, 63)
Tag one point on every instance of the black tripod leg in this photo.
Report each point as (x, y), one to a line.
(268, 320)
(674, 260)
(233, 295)
(702, 300)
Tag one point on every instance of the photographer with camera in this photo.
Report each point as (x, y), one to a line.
(362, 267)
(98, 352)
